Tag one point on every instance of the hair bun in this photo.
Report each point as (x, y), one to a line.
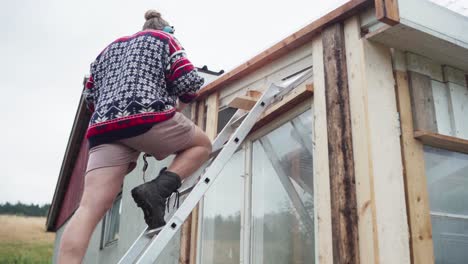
(152, 14)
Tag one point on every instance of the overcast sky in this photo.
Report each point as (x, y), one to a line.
(46, 47)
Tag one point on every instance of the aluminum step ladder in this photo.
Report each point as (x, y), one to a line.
(149, 246)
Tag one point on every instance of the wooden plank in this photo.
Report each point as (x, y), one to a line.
(417, 197)
(458, 109)
(442, 141)
(212, 115)
(254, 93)
(186, 230)
(374, 77)
(341, 163)
(243, 102)
(454, 75)
(193, 112)
(424, 66)
(295, 40)
(201, 115)
(442, 104)
(387, 11)
(195, 213)
(323, 227)
(211, 131)
(422, 102)
(363, 164)
(288, 102)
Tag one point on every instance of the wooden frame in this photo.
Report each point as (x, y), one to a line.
(417, 197)
(340, 147)
(442, 141)
(288, 102)
(383, 225)
(387, 11)
(422, 102)
(323, 227)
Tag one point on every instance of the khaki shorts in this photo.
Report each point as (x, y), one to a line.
(163, 139)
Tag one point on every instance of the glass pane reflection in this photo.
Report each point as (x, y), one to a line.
(221, 215)
(282, 197)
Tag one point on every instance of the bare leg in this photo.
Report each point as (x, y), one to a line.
(189, 160)
(101, 188)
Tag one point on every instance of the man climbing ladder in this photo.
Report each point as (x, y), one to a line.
(133, 90)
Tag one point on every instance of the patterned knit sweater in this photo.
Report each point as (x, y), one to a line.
(135, 83)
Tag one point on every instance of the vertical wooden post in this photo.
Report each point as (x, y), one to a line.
(212, 115)
(322, 213)
(188, 241)
(387, 11)
(422, 102)
(383, 223)
(186, 230)
(417, 197)
(211, 130)
(340, 147)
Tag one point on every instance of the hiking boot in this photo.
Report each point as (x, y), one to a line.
(151, 197)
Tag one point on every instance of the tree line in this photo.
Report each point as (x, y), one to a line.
(24, 209)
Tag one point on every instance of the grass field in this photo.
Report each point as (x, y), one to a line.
(24, 240)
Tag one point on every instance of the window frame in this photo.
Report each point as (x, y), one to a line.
(246, 210)
(108, 220)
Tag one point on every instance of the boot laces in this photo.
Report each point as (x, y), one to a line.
(176, 201)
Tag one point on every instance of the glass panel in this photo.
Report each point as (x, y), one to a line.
(447, 179)
(282, 197)
(112, 221)
(221, 215)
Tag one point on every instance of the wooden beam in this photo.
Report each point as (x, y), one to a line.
(211, 130)
(377, 150)
(387, 12)
(254, 93)
(212, 115)
(297, 39)
(185, 240)
(442, 141)
(288, 102)
(363, 163)
(417, 197)
(243, 102)
(340, 147)
(322, 209)
(422, 102)
(193, 237)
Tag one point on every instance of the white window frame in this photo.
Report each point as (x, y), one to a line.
(108, 220)
(246, 225)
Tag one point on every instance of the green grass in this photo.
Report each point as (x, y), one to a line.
(25, 253)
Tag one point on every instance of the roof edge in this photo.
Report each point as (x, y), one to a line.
(74, 143)
(291, 42)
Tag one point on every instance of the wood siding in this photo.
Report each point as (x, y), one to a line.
(340, 147)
